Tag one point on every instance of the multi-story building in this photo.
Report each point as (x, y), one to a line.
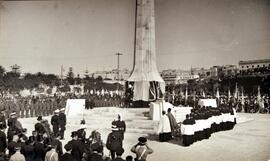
(225, 70)
(172, 76)
(253, 64)
(113, 74)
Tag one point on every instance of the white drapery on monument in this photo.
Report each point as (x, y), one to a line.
(148, 84)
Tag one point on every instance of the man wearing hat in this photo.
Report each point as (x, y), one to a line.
(39, 127)
(52, 155)
(77, 146)
(141, 149)
(114, 141)
(120, 123)
(62, 122)
(17, 156)
(55, 122)
(67, 156)
(81, 132)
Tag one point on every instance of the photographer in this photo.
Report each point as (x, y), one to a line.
(141, 149)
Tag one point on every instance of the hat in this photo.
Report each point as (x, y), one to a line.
(62, 109)
(68, 147)
(74, 133)
(142, 140)
(39, 118)
(56, 111)
(83, 126)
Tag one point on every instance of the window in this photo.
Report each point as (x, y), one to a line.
(247, 66)
(258, 66)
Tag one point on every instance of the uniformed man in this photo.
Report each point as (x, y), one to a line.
(62, 123)
(55, 123)
(120, 124)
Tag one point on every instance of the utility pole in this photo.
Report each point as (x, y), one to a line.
(61, 75)
(118, 58)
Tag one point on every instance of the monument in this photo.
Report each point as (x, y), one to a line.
(147, 82)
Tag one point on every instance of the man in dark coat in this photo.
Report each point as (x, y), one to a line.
(120, 124)
(28, 149)
(55, 122)
(3, 140)
(39, 127)
(114, 141)
(3, 120)
(77, 146)
(67, 156)
(39, 149)
(62, 123)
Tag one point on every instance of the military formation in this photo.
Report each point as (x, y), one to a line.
(204, 121)
(31, 106)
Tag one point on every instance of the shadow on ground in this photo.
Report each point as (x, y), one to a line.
(177, 140)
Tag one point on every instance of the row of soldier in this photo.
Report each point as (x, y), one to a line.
(202, 122)
(31, 106)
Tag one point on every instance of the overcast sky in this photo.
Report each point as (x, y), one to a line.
(43, 35)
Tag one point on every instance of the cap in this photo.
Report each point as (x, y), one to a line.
(62, 109)
(142, 140)
(74, 133)
(56, 111)
(68, 147)
(39, 118)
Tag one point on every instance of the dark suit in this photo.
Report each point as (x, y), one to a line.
(77, 149)
(62, 124)
(3, 141)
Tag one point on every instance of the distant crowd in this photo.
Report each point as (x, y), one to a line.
(248, 104)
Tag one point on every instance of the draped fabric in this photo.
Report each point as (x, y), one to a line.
(145, 73)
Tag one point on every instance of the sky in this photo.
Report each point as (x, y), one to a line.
(86, 34)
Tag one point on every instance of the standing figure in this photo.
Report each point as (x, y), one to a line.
(172, 120)
(3, 123)
(62, 123)
(114, 141)
(141, 149)
(164, 128)
(120, 124)
(55, 123)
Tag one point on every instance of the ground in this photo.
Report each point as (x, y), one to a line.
(248, 141)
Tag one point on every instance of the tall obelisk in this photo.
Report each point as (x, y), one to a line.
(148, 84)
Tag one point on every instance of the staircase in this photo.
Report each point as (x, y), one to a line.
(137, 120)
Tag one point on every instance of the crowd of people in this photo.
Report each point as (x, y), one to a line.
(45, 144)
(198, 125)
(248, 104)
